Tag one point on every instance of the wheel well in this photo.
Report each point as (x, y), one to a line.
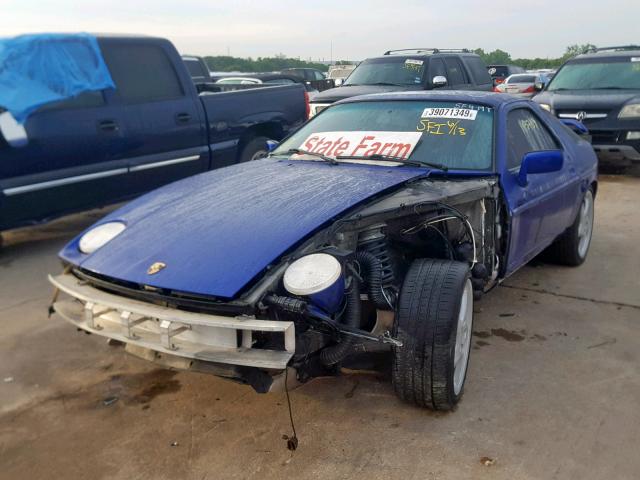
(271, 130)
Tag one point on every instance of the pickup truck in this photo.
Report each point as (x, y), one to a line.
(155, 127)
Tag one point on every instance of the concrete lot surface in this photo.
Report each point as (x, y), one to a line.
(553, 390)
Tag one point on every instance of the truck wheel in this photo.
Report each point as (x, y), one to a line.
(255, 149)
(572, 246)
(434, 321)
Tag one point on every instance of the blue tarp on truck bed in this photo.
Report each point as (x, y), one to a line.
(44, 68)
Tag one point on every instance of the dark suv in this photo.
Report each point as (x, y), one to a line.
(499, 73)
(602, 90)
(410, 69)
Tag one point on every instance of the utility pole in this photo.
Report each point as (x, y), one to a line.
(331, 56)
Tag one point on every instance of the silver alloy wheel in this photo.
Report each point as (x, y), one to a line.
(463, 338)
(258, 155)
(585, 227)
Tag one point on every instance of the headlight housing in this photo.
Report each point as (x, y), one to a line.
(545, 106)
(312, 274)
(630, 111)
(99, 236)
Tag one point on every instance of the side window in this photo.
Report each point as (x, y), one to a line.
(456, 74)
(318, 76)
(437, 68)
(478, 70)
(142, 73)
(526, 133)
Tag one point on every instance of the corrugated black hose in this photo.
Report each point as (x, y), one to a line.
(352, 315)
(372, 273)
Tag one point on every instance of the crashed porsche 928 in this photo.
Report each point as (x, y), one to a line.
(374, 226)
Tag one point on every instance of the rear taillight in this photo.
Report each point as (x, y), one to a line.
(307, 108)
(529, 89)
(498, 81)
(497, 90)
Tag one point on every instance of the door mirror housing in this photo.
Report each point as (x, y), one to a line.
(545, 161)
(439, 81)
(538, 86)
(272, 145)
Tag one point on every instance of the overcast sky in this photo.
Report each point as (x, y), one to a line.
(357, 29)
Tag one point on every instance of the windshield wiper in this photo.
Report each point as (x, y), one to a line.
(389, 158)
(298, 151)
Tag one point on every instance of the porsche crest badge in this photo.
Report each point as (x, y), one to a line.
(155, 268)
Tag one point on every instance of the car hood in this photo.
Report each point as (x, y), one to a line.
(587, 99)
(217, 232)
(346, 91)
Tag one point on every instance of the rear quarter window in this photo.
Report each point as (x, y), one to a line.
(142, 73)
(478, 70)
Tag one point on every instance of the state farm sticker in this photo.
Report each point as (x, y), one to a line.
(362, 144)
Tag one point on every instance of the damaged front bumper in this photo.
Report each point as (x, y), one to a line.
(198, 336)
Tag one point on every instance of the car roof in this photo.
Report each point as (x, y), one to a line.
(424, 55)
(490, 99)
(609, 53)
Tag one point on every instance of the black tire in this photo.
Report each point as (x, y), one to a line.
(254, 149)
(566, 250)
(427, 324)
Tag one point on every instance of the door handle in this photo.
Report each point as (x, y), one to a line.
(108, 126)
(183, 117)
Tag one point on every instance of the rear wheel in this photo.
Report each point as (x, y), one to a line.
(255, 149)
(434, 322)
(572, 246)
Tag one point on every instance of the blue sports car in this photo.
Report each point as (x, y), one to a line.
(380, 221)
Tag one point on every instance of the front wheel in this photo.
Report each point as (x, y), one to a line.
(434, 321)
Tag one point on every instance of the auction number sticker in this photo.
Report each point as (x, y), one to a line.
(454, 113)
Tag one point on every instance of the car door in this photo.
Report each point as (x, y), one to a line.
(161, 112)
(75, 159)
(540, 209)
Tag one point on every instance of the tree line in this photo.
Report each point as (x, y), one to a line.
(224, 63)
(500, 57)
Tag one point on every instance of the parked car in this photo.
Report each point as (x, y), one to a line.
(339, 73)
(410, 69)
(105, 146)
(522, 84)
(315, 78)
(499, 73)
(381, 220)
(197, 68)
(264, 79)
(602, 90)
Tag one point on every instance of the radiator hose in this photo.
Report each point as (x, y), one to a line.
(372, 273)
(336, 353)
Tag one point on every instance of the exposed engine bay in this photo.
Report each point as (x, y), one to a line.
(374, 246)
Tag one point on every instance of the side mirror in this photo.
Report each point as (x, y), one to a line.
(12, 131)
(338, 82)
(538, 86)
(545, 161)
(439, 81)
(272, 145)
(576, 126)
